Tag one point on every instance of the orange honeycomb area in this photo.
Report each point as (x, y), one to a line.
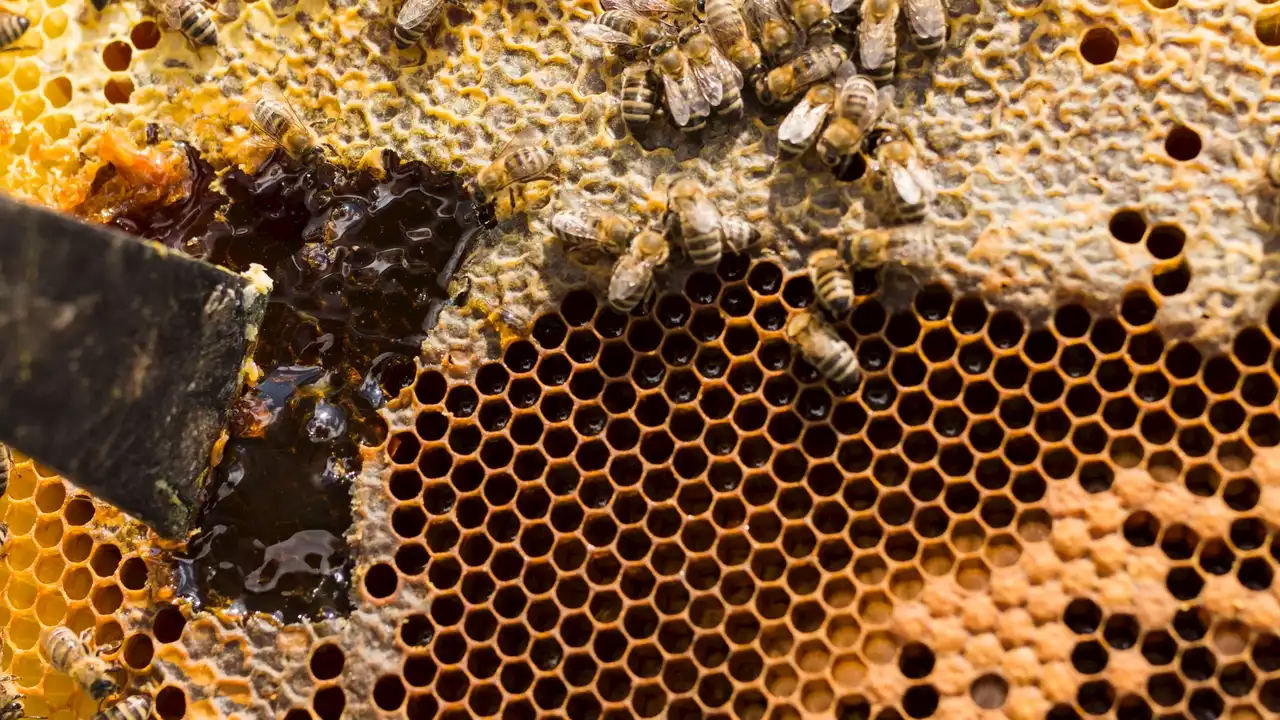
(669, 514)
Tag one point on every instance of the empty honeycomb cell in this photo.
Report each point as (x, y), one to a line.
(106, 599)
(138, 651)
(1128, 226)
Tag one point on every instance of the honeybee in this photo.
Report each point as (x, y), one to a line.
(778, 37)
(134, 707)
(6, 465)
(813, 16)
(729, 29)
(193, 19)
(908, 183)
(928, 22)
(858, 106)
(692, 215)
(71, 655)
(4, 538)
(632, 278)
(12, 27)
(649, 7)
(637, 94)
(526, 156)
(719, 80)
(12, 705)
(627, 32)
(802, 125)
(908, 246)
(413, 21)
(531, 196)
(590, 233)
(831, 280)
(817, 62)
(739, 235)
(685, 101)
(276, 119)
(878, 39)
(823, 348)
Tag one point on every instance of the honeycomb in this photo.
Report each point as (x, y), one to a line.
(1055, 493)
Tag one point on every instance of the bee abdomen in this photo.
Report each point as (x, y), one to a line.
(12, 27)
(62, 647)
(697, 123)
(831, 280)
(882, 75)
(6, 464)
(703, 249)
(731, 103)
(739, 235)
(406, 37)
(932, 44)
(528, 163)
(637, 103)
(840, 366)
(199, 26)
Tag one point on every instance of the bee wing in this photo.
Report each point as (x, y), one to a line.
(632, 274)
(604, 35)
(729, 73)
(678, 104)
(573, 222)
(729, 26)
(846, 71)
(926, 18)
(527, 136)
(841, 6)
(923, 178)
(416, 13)
(704, 217)
(906, 183)
(803, 122)
(877, 43)
(708, 82)
(698, 101)
(759, 12)
(171, 11)
(643, 7)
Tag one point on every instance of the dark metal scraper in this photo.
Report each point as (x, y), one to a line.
(119, 360)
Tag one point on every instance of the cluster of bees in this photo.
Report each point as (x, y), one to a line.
(71, 654)
(688, 62)
(590, 234)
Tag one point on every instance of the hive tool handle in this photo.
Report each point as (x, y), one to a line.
(118, 360)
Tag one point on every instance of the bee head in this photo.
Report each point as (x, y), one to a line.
(102, 687)
(661, 48)
(763, 92)
(798, 325)
(24, 23)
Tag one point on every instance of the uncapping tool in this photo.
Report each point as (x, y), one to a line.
(119, 359)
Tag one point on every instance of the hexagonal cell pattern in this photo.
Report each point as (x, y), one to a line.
(671, 514)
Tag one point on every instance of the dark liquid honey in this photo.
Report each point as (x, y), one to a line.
(360, 267)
